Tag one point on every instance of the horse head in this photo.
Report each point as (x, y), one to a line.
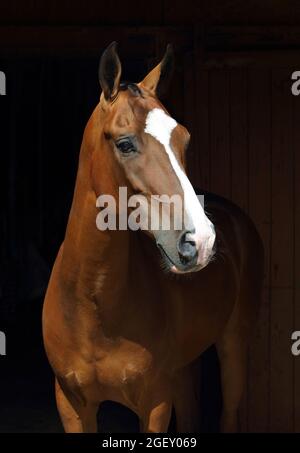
(142, 147)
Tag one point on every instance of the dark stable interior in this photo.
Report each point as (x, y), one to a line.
(43, 133)
(232, 89)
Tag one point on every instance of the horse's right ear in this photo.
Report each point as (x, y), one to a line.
(110, 72)
(158, 79)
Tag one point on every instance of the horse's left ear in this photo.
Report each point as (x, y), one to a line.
(110, 72)
(158, 79)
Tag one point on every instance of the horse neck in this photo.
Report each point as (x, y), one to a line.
(94, 261)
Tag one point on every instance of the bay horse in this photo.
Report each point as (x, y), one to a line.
(119, 326)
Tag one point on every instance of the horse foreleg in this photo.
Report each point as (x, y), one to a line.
(232, 352)
(156, 414)
(75, 417)
(158, 419)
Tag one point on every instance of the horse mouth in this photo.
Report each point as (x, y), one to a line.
(168, 261)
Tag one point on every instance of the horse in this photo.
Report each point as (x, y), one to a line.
(126, 311)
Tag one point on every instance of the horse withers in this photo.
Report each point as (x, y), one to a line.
(127, 311)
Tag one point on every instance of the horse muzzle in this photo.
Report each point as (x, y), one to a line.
(190, 254)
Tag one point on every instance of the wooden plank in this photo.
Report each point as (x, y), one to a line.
(220, 176)
(259, 371)
(190, 117)
(202, 139)
(94, 12)
(87, 41)
(223, 12)
(134, 12)
(202, 113)
(239, 38)
(282, 179)
(259, 131)
(239, 172)
(281, 382)
(296, 326)
(252, 12)
(282, 251)
(239, 138)
(257, 59)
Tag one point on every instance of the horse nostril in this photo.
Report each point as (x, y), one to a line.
(186, 248)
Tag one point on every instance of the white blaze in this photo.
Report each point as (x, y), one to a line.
(160, 125)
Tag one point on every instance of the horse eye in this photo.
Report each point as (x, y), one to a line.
(125, 146)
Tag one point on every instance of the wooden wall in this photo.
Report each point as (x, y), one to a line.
(158, 12)
(247, 130)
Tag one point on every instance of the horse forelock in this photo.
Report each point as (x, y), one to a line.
(132, 87)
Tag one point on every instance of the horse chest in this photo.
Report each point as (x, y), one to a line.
(123, 364)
